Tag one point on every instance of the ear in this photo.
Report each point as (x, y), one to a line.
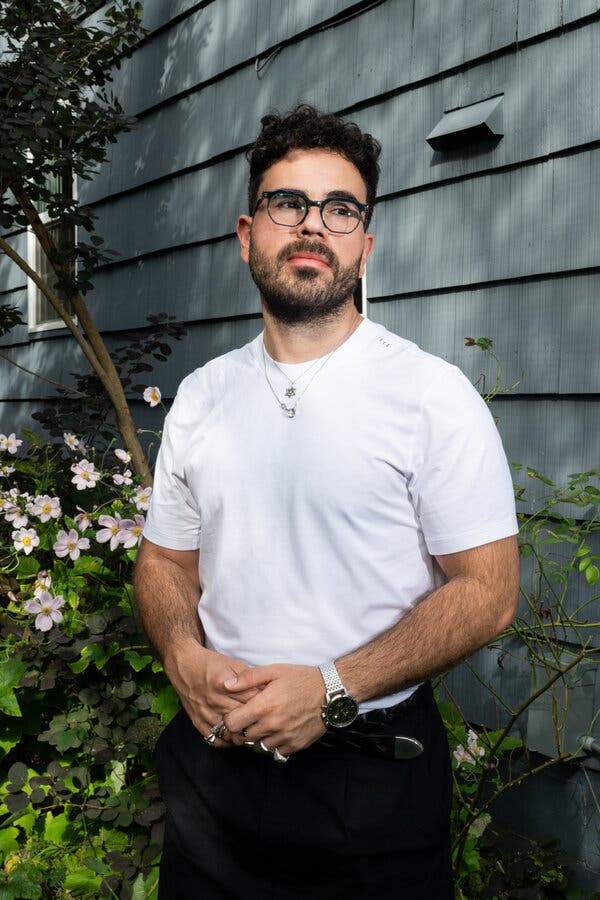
(367, 250)
(244, 226)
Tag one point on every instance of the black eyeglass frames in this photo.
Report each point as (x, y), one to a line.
(341, 215)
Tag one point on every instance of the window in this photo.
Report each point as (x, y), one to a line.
(41, 315)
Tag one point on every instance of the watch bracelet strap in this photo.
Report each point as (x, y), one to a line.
(331, 677)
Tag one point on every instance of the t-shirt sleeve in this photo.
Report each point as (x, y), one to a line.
(173, 519)
(460, 483)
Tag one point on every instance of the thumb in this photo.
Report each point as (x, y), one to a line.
(249, 678)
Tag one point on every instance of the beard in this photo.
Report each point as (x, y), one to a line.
(298, 294)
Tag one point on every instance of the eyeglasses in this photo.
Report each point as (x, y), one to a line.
(290, 208)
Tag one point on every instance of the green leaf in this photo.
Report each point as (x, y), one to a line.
(166, 704)
(592, 574)
(136, 661)
(584, 563)
(9, 703)
(8, 840)
(96, 865)
(57, 829)
(11, 672)
(27, 567)
(82, 880)
(10, 735)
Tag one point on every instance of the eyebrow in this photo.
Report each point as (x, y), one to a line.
(343, 195)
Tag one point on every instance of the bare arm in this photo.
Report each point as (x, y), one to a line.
(477, 602)
(167, 591)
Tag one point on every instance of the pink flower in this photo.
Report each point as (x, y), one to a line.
(46, 610)
(45, 507)
(123, 455)
(11, 443)
(70, 544)
(152, 396)
(125, 478)
(110, 532)
(70, 440)
(25, 539)
(141, 498)
(42, 582)
(85, 475)
(131, 532)
(462, 756)
(82, 519)
(16, 516)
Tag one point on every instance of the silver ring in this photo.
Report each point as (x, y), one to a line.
(249, 743)
(215, 733)
(279, 757)
(263, 748)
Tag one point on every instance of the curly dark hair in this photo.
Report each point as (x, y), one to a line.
(305, 128)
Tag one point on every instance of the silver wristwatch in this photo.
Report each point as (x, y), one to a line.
(339, 709)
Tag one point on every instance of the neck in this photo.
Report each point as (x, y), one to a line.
(300, 342)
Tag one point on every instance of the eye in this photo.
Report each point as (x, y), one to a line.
(343, 209)
(287, 201)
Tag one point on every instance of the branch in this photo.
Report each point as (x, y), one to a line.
(53, 299)
(39, 375)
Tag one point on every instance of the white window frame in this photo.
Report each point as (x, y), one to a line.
(33, 291)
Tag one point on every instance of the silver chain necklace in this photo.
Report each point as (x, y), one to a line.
(290, 411)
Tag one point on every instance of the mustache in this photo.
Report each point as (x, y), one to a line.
(308, 247)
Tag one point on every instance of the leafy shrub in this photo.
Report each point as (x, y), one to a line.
(82, 699)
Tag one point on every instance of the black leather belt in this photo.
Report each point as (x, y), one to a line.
(375, 731)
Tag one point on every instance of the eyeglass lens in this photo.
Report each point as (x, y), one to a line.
(338, 215)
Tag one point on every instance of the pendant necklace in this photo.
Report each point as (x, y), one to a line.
(290, 411)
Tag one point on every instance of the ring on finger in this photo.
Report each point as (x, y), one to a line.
(278, 756)
(261, 747)
(215, 733)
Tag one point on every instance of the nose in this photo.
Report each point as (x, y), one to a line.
(313, 223)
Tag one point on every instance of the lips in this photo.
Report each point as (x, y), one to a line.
(308, 254)
(302, 258)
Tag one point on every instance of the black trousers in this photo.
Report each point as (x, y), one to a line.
(330, 823)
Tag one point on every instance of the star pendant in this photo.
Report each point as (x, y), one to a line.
(291, 392)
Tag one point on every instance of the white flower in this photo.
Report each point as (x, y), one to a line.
(123, 455)
(11, 443)
(473, 744)
(110, 532)
(25, 539)
(46, 609)
(125, 478)
(131, 532)
(5, 503)
(45, 507)
(82, 519)
(42, 582)
(6, 470)
(70, 544)
(152, 396)
(16, 516)
(462, 756)
(141, 498)
(85, 475)
(70, 440)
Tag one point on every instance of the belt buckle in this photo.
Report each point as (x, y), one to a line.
(406, 747)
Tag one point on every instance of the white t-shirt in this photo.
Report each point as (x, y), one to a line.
(317, 533)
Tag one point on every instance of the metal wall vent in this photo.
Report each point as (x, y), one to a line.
(468, 125)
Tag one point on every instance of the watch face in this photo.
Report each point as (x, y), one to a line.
(341, 711)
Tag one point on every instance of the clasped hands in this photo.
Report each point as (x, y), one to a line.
(274, 706)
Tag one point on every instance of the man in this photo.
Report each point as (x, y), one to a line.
(332, 524)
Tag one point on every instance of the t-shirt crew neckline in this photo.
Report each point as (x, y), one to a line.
(352, 343)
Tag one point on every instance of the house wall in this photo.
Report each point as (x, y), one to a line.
(498, 241)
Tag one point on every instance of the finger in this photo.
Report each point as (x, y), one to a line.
(250, 678)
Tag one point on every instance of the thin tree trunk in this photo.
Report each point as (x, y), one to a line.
(91, 341)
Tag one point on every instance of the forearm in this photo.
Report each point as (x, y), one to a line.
(444, 628)
(167, 596)
(431, 638)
